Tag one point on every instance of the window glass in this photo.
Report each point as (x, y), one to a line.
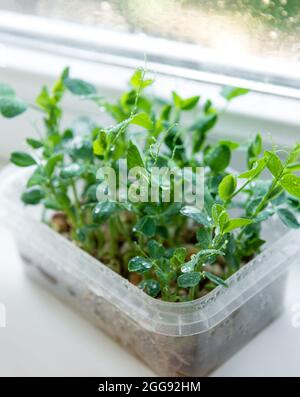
(263, 28)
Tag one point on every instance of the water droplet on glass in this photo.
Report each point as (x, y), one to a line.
(273, 35)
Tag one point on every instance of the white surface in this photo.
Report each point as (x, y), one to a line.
(45, 338)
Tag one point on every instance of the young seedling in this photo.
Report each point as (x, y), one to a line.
(171, 250)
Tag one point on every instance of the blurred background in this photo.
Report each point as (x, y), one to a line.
(264, 28)
(194, 46)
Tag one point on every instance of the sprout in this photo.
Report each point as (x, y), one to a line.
(171, 250)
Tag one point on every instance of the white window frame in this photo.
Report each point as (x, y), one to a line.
(164, 56)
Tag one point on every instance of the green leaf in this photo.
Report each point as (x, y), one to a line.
(43, 100)
(232, 92)
(231, 144)
(156, 250)
(188, 280)
(34, 143)
(128, 99)
(227, 187)
(208, 201)
(205, 123)
(263, 216)
(293, 203)
(274, 194)
(293, 167)
(253, 243)
(11, 106)
(146, 225)
(6, 90)
(116, 129)
(231, 256)
(204, 237)
(51, 164)
(104, 210)
(220, 216)
(79, 87)
(52, 204)
(58, 88)
(90, 194)
(294, 155)
(218, 158)
(37, 178)
(166, 112)
(201, 256)
(62, 198)
(134, 158)
(201, 128)
(22, 159)
(279, 199)
(72, 171)
(137, 80)
(274, 163)
(256, 146)
(178, 257)
(180, 253)
(164, 272)
(196, 215)
(151, 287)
(176, 99)
(291, 183)
(51, 142)
(139, 265)
(288, 218)
(100, 144)
(185, 104)
(236, 224)
(254, 150)
(215, 279)
(189, 266)
(33, 195)
(209, 107)
(190, 103)
(217, 210)
(256, 170)
(142, 120)
(223, 221)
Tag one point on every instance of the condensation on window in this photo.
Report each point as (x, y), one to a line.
(263, 28)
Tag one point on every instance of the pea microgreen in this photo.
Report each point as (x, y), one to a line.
(176, 251)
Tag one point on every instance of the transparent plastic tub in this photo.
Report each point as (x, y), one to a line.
(174, 339)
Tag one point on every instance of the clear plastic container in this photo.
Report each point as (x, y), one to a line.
(174, 339)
